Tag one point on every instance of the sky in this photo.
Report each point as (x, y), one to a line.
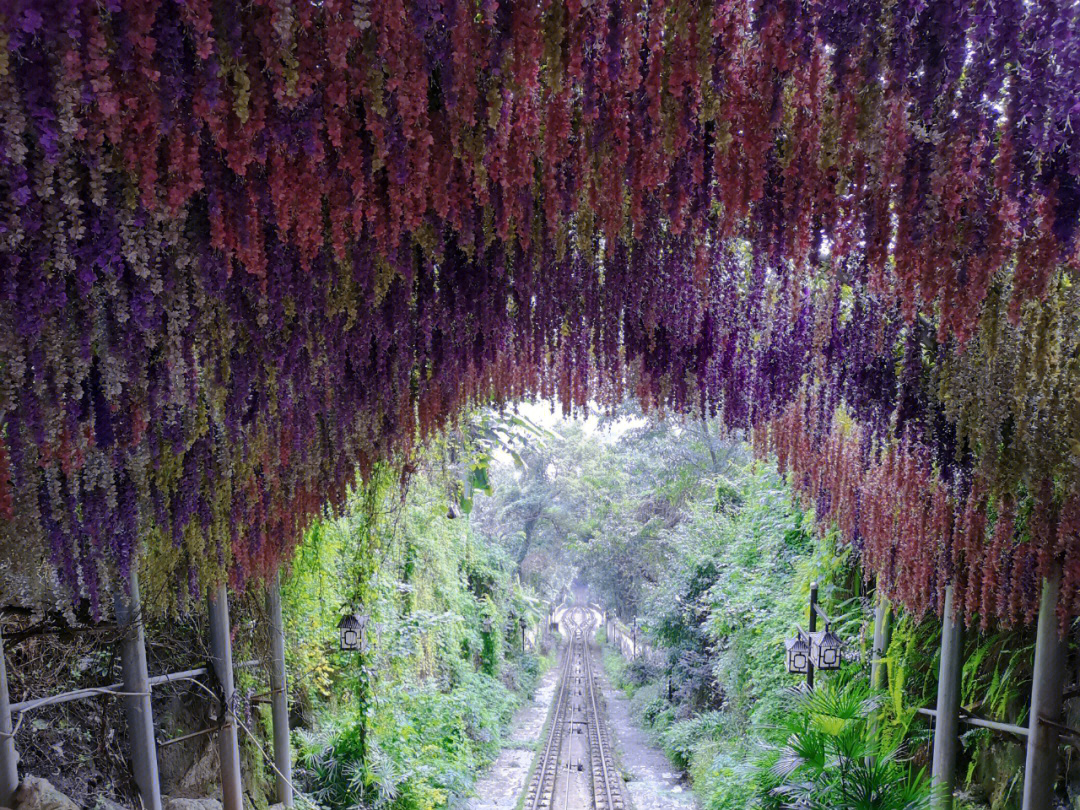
(549, 415)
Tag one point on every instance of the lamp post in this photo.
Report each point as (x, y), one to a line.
(813, 649)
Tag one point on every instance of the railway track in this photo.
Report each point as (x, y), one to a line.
(576, 770)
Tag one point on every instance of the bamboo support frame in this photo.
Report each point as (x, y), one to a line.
(9, 757)
(1047, 687)
(114, 688)
(137, 708)
(228, 742)
(279, 697)
(947, 716)
(979, 722)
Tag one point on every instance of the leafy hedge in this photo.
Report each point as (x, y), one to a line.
(408, 724)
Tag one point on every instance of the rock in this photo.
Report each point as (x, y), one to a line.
(105, 803)
(38, 794)
(193, 804)
(202, 776)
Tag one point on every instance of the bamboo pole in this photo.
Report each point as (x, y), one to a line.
(882, 636)
(228, 744)
(137, 707)
(279, 694)
(947, 719)
(882, 633)
(978, 722)
(1040, 770)
(97, 691)
(813, 627)
(9, 757)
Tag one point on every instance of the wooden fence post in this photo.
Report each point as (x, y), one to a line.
(947, 719)
(1040, 769)
(228, 747)
(279, 694)
(9, 758)
(137, 706)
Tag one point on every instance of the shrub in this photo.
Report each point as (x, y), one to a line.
(831, 759)
(682, 739)
(425, 747)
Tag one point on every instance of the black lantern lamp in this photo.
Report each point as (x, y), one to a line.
(798, 653)
(816, 649)
(352, 632)
(825, 649)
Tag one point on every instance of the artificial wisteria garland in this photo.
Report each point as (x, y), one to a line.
(250, 248)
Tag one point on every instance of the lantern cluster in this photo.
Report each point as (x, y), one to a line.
(822, 650)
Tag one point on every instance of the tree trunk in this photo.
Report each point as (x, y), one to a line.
(709, 444)
(530, 526)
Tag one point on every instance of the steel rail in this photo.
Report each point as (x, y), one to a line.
(549, 759)
(580, 621)
(581, 627)
(606, 794)
(599, 731)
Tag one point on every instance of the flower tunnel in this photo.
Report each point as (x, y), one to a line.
(251, 249)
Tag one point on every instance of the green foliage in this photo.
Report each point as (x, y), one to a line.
(331, 572)
(831, 760)
(616, 667)
(666, 523)
(429, 746)
(739, 559)
(670, 524)
(485, 435)
(911, 676)
(736, 582)
(491, 648)
(408, 723)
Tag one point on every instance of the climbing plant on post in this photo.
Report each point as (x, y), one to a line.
(365, 538)
(490, 637)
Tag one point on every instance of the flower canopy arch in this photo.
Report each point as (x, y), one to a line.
(248, 249)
